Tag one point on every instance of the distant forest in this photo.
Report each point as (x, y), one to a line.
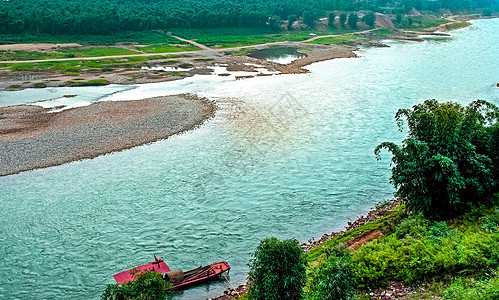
(111, 16)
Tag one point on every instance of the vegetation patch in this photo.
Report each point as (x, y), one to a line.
(39, 84)
(95, 51)
(94, 82)
(457, 25)
(165, 48)
(203, 59)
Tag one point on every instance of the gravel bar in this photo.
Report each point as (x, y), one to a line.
(32, 137)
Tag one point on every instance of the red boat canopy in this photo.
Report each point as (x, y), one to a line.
(158, 265)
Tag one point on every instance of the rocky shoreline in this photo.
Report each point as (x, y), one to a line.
(382, 210)
(33, 137)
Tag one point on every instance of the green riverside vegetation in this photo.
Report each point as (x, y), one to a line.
(99, 17)
(445, 238)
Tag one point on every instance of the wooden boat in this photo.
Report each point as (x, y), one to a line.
(178, 278)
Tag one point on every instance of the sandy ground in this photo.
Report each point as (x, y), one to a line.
(35, 47)
(32, 137)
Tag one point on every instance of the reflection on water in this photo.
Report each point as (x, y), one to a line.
(289, 156)
(282, 55)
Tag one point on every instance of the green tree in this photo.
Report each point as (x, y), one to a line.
(277, 270)
(331, 18)
(335, 278)
(343, 19)
(147, 286)
(310, 17)
(352, 20)
(398, 18)
(275, 23)
(445, 165)
(370, 18)
(291, 20)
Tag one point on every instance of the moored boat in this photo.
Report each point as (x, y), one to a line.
(178, 278)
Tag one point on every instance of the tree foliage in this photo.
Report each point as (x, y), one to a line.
(147, 286)
(331, 18)
(343, 19)
(353, 18)
(277, 270)
(370, 18)
(112, 16)
(448, 163)
(335, 278)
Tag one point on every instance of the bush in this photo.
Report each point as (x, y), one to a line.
(418, 250)
(446, 165)
(277, 270)
(335, 278)
(147, 286)
(487, 289)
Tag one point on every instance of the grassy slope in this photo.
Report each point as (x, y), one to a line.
(457, 259)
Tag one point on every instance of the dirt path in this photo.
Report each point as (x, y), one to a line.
(192, 43)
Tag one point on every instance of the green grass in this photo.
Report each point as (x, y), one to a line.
(336, 40)
(454, 259)
(165, 48)
(94, 82)
(457, 25)
(74, 67)
(95, 51)
(30, 55)
(383, 224)
(65, 52)
(203, 59)
(421, 23)
(236, 37)
(39, 84)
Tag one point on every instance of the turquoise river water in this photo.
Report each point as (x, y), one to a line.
(289, 156)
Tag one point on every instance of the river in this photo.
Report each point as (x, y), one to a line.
(289, 156)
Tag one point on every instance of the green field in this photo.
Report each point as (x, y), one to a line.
(75, 66)
(166, 48)
(236, 37)
(420, 23)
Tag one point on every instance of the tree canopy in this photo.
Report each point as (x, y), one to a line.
(449, 161)
(148, 285)
(277, 270)
(111, 16)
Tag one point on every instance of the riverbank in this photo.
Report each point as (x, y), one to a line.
(33, 137)
(160, 67)
(356, 240)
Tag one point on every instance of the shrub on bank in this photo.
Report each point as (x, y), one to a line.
(277, 270)
(334, 279)
(419, 250)
(147, 286)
